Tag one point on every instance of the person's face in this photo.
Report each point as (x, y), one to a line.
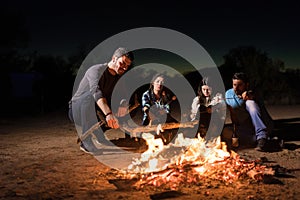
(121, 64)
(239, 86)
(158, 83)
(206, 90)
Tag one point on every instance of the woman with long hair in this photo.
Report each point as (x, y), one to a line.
(201, 107)
(156, 105)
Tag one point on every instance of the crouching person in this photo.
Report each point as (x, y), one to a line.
(251, 121)
(94, 93)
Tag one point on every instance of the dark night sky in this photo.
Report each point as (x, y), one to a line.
(59, 27)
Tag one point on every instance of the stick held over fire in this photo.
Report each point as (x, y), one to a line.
(102, 121)
(153, 128)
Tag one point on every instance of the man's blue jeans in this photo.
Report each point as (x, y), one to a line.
(251, 119)
(255, 113)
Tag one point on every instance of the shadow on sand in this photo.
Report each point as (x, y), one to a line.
(285, 135)
(287, 130)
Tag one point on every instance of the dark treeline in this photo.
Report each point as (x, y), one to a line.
(31, 83)
(34, 83)
(268, 76)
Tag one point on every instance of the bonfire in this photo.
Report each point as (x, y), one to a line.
(189, 160)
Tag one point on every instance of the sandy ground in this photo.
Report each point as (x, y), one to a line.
(41, 160)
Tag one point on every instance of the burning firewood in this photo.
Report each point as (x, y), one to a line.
(191, 160)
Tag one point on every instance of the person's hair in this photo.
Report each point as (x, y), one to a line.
(241, 76)
(121, 51)
(204, 81)
(202, 99)
(154, 78)
(163, 93)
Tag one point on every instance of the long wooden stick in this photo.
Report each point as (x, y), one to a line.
(145, 129)
(91, 130)
(102, 122)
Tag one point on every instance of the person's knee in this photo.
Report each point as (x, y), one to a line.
(252, 107)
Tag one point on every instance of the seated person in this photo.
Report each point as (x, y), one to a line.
(156, 107)
(202, 107)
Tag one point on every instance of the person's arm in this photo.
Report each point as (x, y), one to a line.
(111, 120)
(166, 102)
(195, 107)
(233, 116)
(166, 109)
(94, 76)
(232, 102)
(146, 103)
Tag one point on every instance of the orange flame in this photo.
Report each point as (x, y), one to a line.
(190, 160)
(184, 150)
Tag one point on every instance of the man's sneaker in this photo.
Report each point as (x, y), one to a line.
(82, 148)
(261, 143)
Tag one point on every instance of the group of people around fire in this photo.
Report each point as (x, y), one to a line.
(91, 103)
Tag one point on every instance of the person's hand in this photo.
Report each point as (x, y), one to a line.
(122, 111)
(193, 116)
(245, 96)
(174, 98)
(112, 121)
(146, 109)
(159, 129)
(248, 95)
(123, 108)
(209, 109)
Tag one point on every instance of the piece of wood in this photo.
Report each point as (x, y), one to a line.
(103, 122)
(91, 130)
(153, 128)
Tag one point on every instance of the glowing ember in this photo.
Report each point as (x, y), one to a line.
(190, 160)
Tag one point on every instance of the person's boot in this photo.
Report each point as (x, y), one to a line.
(261, 144)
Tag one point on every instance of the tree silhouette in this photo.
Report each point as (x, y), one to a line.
(13, 37)
(265, 74)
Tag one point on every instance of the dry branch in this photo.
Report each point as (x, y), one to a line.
(153, 128)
